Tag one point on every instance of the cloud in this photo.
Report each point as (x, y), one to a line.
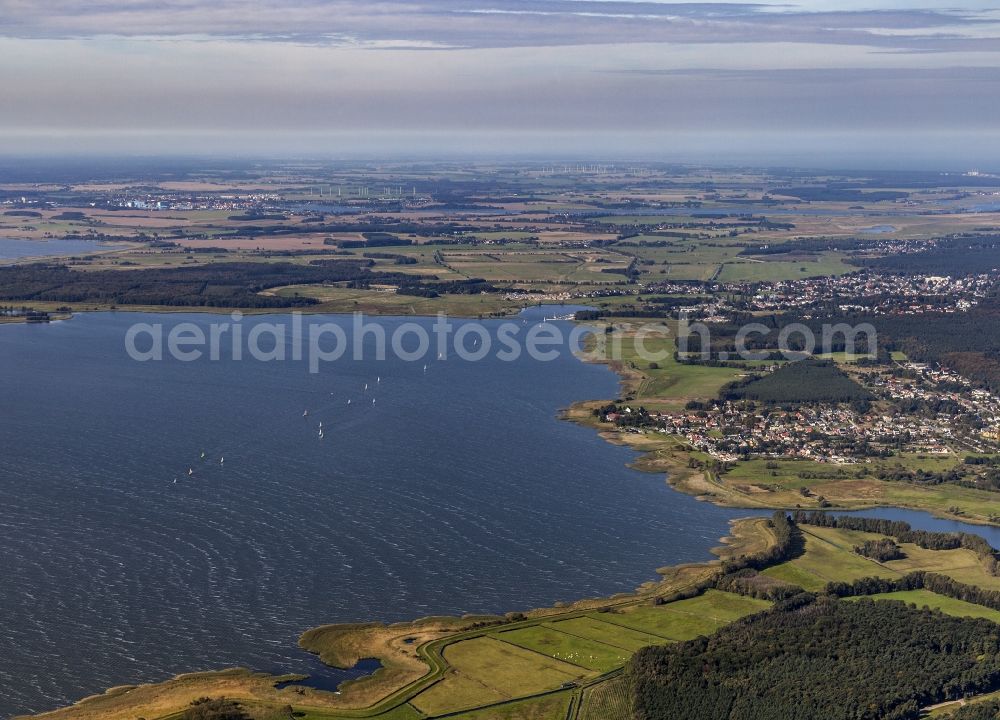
(506, 23)
(596, 75)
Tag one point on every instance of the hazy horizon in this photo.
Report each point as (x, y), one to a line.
(859, 162)
(870, 83)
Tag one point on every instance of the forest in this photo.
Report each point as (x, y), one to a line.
(800, 246)
(215, 285)
(470, 286)
(952, 256)
(806, 381)
(795, 662)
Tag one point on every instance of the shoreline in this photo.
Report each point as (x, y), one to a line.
(246, 312)
(51, 306)
(665, 454)
(411, 653)
(702, 487)
(391, 685)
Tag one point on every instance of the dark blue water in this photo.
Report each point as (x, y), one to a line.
(459, 491)
(12, 249)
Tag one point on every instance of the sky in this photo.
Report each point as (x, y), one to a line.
(882, 83)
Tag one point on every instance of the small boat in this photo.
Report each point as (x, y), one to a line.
(321, 434)
(320, 424)
(373, 401)
(305, 413)
(190, 471)
(366, 386)
(202, 454)
(222, 461)
(378, 379)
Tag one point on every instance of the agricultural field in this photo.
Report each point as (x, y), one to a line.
(593, 628)
(334, 299)
(687, 619)
(555, 643)
(760, 270)
(663, 382)
(829, 557)
(552, 707)
(947, 605)
(609, 700)
(486, 670)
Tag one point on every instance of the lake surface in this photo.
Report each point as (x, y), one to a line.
(13, 249)
(459, 491)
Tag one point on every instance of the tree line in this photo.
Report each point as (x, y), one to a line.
(917, 580)
(213, 285)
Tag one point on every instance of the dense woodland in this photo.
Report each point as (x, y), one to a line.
(796, 662)
(806, 381)
(966, 342)
(810, 246)
(215, 285)
(952, 256)
(471, 286)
